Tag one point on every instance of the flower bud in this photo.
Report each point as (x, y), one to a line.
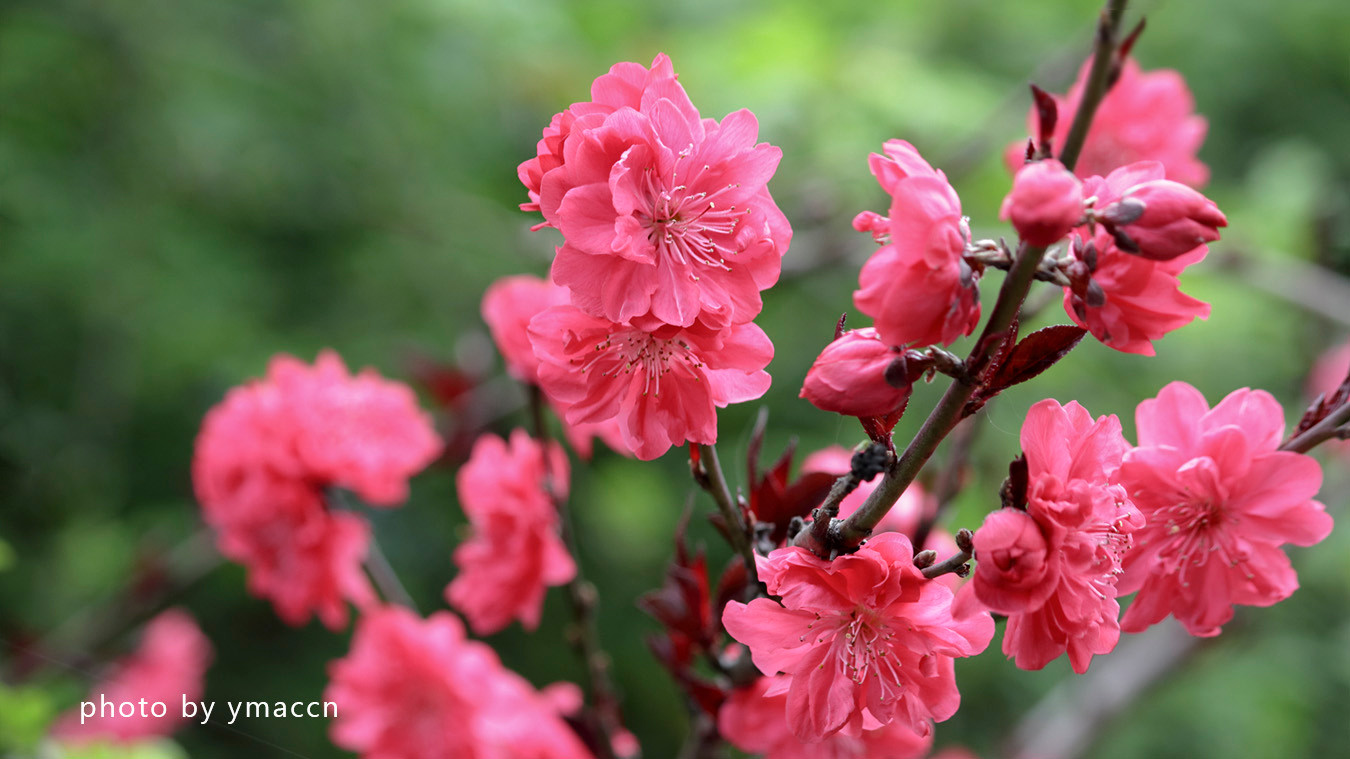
(1011, 575)
(855, 376)
(1046, 202)
(1162, 219)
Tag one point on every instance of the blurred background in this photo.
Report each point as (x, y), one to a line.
(188, 187)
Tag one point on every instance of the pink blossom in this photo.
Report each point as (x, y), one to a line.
(1053, 567)
(264, 457)
(1146, 116)
(665, 215)
(662, 385)
(169, 665)
(1219, 499)
(916, 288)
(1132, 301)
(627, 85)
(850, 376)
(513, 553)
(1046, 202)
(865, 639)
(418, 689)
(1154, 217)
(508, 306)
(1327, 375)
(757, 723)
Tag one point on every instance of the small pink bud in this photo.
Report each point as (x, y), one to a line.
(1014, 565)
(1162, 219)
(857, 375)
(1046, 202)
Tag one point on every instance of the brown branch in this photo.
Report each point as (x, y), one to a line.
(709, 476)
(846, 536)
(957, 563)
(1332, 427)
(603, 718)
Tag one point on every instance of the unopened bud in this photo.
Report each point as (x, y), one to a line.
(1046, 202)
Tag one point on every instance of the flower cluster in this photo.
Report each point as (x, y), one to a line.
(1219, 498)
(169, 665)
(865, 640)
(1051, 564)
(265, 456)
(514, 552)
(669, 237)
(418, 689)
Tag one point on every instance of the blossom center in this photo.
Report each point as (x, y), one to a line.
(686, 226)
(635, 351)
(860, 644)
(1195, 528)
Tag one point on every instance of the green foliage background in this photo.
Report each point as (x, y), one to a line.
(188, 187)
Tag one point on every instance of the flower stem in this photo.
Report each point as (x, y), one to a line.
(847, 535)
(602, 719)
(709, 476)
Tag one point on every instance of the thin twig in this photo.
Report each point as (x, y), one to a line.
(709, 476)
(603, 718)
(1327, 429)
(957, 563)
(386, 579)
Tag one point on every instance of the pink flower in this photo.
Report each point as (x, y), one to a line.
(850, 376)
(1219, 499)
(917, 288)
(756, 723)
(865, 639)
(1131, 301)
(169, 666)
(508, 306)
(1046, 202)
(627, 85)
(417, 689)
(264, 457)
(1327, 375)
(665, 215)
(1154, 217)
(1144, 117)
(514, 551)
(1052, 568)
(663, 386)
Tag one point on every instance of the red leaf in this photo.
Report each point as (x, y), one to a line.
(1037, 352)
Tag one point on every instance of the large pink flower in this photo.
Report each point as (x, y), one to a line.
(1219, 499)
(1053, 567)
(866, 640)
(169, 666)
(514, 552)
(757, 723)
(1146, 116)
(665, 215)
(508, 306)
(627, 85)
(916, 288)
(663, 386)
(264, 457)
(418, 689)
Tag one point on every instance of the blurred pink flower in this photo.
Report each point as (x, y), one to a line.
(1146, 116)
(1219, 500)
(508, 306)
(264, 457)
(168, 666)
(664, 386)
(1328, 373)
(664, 215)
(513, 552)
(1053, 568)
(757, 723)
(418, 689)
(916, 288)
(865, 640)
(850, 376)
(1046, 201)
